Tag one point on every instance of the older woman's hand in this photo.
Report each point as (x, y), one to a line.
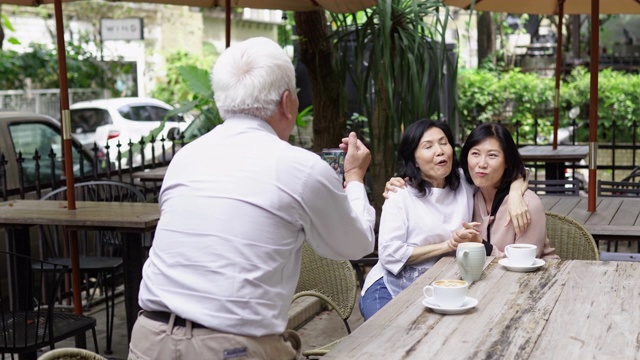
(392, 185)
(468, 233)
(518, 213)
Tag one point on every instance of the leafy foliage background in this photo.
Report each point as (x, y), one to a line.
(525, 101)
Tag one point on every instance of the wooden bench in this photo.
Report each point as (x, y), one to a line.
(618, 188)
(555, 187)
(619, 256)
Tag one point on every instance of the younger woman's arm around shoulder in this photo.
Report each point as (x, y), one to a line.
(519, 213)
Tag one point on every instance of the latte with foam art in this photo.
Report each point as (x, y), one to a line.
(450, 283)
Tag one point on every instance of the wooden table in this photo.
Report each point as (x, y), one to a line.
(566, 310)
(554, 159)
(615, 218)
(151, 176)
(131, 219)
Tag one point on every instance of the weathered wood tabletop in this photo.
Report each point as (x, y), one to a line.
(554, 160)
(615, 218)
(131, 219)
(566, 310)
(563, 153)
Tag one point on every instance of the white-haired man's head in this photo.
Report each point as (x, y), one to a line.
(251, 77)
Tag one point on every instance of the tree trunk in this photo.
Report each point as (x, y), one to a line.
(382, 164)
(486, 37)
(317, 53)
(575, 37)
(1, 30)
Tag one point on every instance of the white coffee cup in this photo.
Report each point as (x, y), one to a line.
(447, 293)
(521, 254)
(471, 257)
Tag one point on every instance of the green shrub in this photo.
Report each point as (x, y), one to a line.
(525, 99)
(40, 64)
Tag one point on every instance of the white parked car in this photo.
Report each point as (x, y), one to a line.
(113, 121)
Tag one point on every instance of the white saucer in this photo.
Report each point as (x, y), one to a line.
(536, 265)
(469, 303)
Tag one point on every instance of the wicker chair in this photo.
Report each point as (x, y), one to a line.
(571, 240)
(332, 281)
(70, 354)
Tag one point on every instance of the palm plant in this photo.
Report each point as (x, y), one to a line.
(396, 56)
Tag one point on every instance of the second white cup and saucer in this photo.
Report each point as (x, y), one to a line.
(537, 264)
(468, 304)
(521, 258)
(448, 297)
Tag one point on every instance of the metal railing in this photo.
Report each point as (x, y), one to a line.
(615, 159)
(45, 101)
(120, 168)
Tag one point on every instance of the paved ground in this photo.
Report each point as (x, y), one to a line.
(323, 329)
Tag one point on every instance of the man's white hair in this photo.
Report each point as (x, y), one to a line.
(250, 77)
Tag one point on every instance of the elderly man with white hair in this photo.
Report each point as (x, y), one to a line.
(236, 205)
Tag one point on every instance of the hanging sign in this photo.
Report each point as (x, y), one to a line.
(121, 29)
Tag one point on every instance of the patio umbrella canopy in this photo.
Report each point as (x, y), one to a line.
(340, 6)
(560, 8)
(548, 7)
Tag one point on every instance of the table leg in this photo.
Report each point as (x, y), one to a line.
(21, 247)
(18, 242)
(133, 260)
(554, 170)
(81, 339)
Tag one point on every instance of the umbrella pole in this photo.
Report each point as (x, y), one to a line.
(227, 23)
(64, 108)
(593, 102)
(556, 102)
(68, 160)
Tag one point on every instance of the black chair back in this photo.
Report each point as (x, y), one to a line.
(28, 320)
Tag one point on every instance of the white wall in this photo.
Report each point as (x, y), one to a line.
(172, 28)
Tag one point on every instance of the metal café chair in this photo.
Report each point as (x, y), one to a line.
(28, 318)
(100, 250)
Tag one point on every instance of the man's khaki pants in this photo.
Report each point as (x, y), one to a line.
(155, 340)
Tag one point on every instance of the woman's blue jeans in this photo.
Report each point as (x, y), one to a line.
(374, 299)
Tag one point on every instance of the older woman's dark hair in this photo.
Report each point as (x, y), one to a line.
(407, 167)
(514, 167)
